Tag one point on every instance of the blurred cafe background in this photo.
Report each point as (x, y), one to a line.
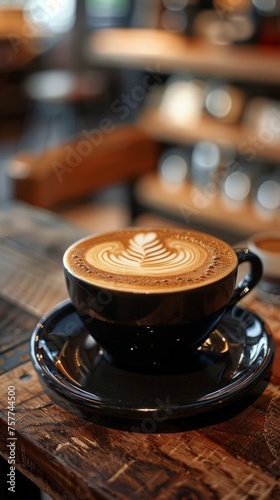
(118, 112)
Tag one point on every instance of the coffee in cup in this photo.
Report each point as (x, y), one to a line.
(150, 296)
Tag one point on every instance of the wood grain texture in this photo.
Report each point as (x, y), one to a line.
(227, 459)
(228, 454)
(269, 310)
(15, 326)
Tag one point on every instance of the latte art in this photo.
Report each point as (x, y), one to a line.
(150, 260)
(145, 252)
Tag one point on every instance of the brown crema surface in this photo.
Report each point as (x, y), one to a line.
(150, 260)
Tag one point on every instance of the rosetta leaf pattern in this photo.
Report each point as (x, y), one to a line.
(145, 249)
(147, 253)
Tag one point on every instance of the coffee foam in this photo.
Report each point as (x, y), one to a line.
(144, 260)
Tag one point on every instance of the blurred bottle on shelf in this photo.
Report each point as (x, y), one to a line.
(177, 16)
(173, 167)
(227, 22)
(239, 182)
(267, 194)
(109, 13)
(225, 102)
(267, 7)
(253, 181)
(262, 117)
(210, 163)
(205, 161)
(269, 22)
(52, 17)
(236, 189)
(183, 100)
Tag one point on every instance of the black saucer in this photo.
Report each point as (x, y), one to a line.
(228, 365)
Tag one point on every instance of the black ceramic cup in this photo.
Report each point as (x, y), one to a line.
(150, 298)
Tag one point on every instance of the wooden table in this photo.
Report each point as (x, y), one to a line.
(234, 454)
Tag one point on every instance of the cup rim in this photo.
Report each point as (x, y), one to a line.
(270, 259)
(159, 291)
(255, 238)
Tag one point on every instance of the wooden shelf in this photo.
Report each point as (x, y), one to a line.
(158, 51)
(190, 203)
(162, 51)
(160, 128)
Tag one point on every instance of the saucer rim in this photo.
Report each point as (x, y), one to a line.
(60, 387)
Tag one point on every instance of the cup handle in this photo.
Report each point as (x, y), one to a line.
(252, 277)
